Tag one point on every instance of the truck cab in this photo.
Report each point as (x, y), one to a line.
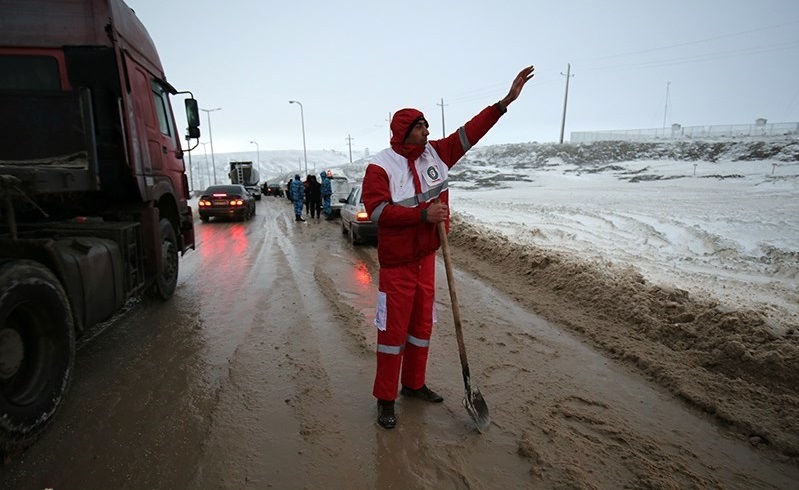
(93, 185)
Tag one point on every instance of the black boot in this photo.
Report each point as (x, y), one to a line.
(423, 393)
(385, 414)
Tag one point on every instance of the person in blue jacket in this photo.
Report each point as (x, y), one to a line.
(327, 192)
(298, 197)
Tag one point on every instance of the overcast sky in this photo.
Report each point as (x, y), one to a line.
(352, 63)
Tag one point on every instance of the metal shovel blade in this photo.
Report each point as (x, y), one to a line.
(477, 408)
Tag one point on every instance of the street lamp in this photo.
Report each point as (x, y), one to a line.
(302, 118)
(207, 173)
(211, 137)
(258, 156)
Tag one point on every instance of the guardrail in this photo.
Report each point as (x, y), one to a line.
(677, 132)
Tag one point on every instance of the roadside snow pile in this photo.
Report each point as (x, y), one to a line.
(679, 258)
(728, 362)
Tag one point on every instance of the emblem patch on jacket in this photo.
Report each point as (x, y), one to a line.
(432, 176)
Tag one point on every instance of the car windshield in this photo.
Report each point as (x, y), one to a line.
(225, 189)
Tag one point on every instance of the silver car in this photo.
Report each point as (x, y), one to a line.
(355, 221)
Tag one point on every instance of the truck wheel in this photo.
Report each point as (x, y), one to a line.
(37, 351)
(167, 280)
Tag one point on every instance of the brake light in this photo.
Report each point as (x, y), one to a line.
(237, 202)
(220, 195)
(204, 203)
(362, 216)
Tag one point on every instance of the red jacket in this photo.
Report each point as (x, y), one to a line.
(401, 181)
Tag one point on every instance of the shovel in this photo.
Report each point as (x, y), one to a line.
(473, 401)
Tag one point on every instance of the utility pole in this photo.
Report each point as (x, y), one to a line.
(349, 143)
(666, 109)
(565, 99)
(443, 129)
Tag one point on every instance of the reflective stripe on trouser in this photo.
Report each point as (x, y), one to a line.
(405, 343)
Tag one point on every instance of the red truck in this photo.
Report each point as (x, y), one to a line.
(93, 192)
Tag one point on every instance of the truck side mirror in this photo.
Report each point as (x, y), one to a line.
(193, 117)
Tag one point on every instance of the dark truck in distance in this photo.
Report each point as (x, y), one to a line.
(93, 191)
(246, 174)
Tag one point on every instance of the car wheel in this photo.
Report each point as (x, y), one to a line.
(37, 351)
(204, 219)
(167, 279)
(353, 237)
(343, 228)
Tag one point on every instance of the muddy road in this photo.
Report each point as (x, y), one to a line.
(258, 374)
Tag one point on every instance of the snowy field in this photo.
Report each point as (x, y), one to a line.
(728, 230)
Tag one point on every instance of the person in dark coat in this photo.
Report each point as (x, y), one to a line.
(314, 196)
(305, 184)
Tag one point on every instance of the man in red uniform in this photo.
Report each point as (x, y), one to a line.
(405, 193)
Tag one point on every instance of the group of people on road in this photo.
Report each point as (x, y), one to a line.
(312, 194)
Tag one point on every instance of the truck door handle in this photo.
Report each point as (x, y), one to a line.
(164, 150)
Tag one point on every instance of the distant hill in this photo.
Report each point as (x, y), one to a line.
(283, 165)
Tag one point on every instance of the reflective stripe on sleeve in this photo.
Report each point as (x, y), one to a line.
(378, 211)
(464, 140)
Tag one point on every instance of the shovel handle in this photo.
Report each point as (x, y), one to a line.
(453, 296)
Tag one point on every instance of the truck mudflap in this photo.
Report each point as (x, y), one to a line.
(186, 232)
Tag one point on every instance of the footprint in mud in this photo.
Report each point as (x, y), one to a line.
(524, 342)
(498, 375)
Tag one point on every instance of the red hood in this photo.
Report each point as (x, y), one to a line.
(400, 124)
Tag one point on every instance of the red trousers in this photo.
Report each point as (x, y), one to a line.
(405, 316)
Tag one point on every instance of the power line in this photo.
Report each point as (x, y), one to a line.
(486, 91)
(698, 58)
(698, 41)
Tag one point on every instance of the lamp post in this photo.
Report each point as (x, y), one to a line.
(258, 156)
(207, 174)
(302, 118)
(211, 137)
